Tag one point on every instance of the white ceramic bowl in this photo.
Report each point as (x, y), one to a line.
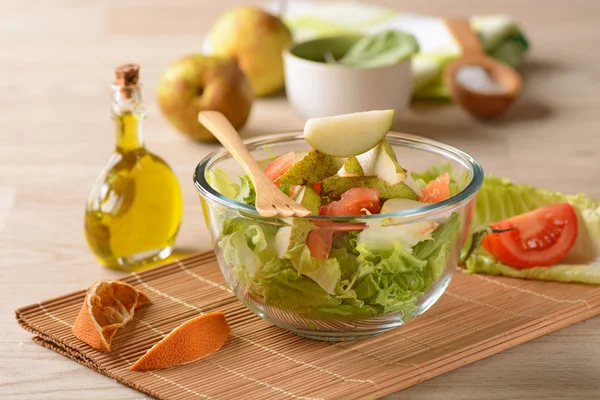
(317, 89)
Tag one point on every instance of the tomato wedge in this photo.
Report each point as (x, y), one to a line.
(320, 240)
(540, 238)
(280, 165)
(318, 187)
(353, 202)
(436, 190)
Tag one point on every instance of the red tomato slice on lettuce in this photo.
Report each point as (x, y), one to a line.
(539, 238)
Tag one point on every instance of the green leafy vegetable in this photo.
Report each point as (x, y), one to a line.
(220, 181)
(382, 49)
(285, 188)
(438, 250)
(326, 273)
(391, 280)
(582, 273)
(247, 194)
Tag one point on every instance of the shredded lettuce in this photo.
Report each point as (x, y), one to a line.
(354, 282)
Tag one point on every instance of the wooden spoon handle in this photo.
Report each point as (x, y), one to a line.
(464, 35)
(222, 129)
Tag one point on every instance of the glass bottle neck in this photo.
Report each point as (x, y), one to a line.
(128, 113)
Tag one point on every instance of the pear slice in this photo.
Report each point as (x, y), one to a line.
(395, 205)
(309, 198)
(311, 168)
(351, 168)
(348, 134)
(381, 238)
(408, 235)
(381, 162)
(398, 204)
(410, 182)
(336, 185)
(289, 236)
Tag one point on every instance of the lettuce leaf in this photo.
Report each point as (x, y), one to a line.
(438, 250)
(220, 181)
(247, 194)
(326, 273)
(584, 273)
(390, 281)
(248, 244)
(499, 199)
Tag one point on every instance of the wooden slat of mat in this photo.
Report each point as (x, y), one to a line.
(478, 316)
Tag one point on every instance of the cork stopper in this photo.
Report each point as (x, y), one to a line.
(127, 74)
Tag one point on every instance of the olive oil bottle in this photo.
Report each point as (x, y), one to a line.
(135, 207)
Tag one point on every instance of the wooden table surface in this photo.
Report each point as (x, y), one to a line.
(56, 63)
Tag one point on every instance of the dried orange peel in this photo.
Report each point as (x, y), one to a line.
(186, 343)
(108, 306)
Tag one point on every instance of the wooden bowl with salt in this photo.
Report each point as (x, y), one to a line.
(480, 84)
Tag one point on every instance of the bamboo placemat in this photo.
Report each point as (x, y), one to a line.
(477, 316)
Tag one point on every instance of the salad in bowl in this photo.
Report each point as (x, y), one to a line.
(390, 214)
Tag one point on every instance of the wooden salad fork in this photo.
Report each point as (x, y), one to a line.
(270, 201)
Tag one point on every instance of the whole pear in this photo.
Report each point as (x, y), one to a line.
(198, 82)
(255, 39)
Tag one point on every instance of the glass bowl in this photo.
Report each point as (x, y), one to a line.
(376, 290)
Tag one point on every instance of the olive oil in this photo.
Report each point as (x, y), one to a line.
(135, 207)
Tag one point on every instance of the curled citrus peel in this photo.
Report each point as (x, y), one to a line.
(108, 306)
(186, 343)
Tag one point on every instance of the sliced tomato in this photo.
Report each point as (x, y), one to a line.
(436, 190)
(320, 240)
(540, 238)
(318, 187)
(280, 165)
(353, 202)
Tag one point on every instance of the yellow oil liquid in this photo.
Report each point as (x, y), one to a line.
(135, 208)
